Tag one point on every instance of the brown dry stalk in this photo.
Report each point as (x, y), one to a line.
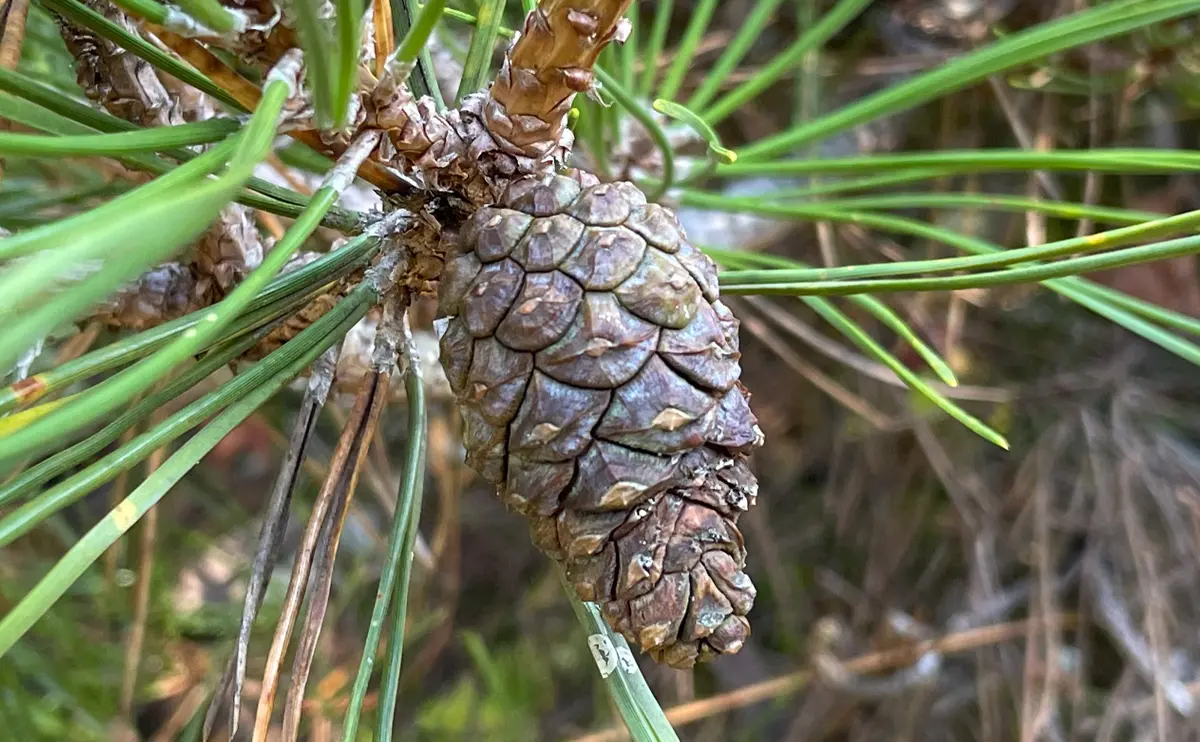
(187, 708)
(375, 386)
(875, 662)
(192, 52)
(274, 523)
(248, 94)
(342, 454)
(552, 61)
(16, 16)
(118, 492)
(385, 37)
(141, 601)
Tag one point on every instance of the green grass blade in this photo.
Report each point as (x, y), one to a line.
(25, 113)
(119, 520)
(654, 47)
(414, 41)
(399, 550)
(213, 15)
(12, 81)
(1166, 317)
(147, 9)
(83, 451)
(33, 512)
(88, 236)
(69, 108)
(408, 515)
(832, 22)
(1084, 27)
(1123, 160)
(993, 202)
(762, 283)
(115, 145)
(483, 43)
(348, 31)
(628, 51)
(20, 111)
(639, 709)
(856, 335)
(842, 185)
(742, 260)
(199, 208)
(1118, 307)
(889, 319)
(1158, 227)
(749, 33)
(404, 16)
(320, 57)
(35, 202)
(701, 16)
(285, 293)
(1077, 291)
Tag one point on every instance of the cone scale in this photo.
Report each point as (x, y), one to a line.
(596, 371)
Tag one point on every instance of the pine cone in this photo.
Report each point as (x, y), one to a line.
(597, 376)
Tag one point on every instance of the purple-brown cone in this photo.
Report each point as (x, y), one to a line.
(597, 375)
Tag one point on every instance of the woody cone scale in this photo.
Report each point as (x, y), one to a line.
(597, 374)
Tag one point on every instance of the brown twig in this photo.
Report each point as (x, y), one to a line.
(376, 388)
(248, 94)
(274, 523)
(187, 708)
(14, 33)
(300, 569)
(271, 223)
(552, 61)
(141, 601)
(836, 674)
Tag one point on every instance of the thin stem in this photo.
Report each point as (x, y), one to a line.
(1104, 21)
(408, 510)
(832, 22)
(400, 541)
(646, 118)
(658, 40)
(102, 145)
(701, 16)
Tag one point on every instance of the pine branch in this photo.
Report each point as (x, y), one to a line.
(548, 64)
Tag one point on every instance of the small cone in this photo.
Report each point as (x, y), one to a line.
(597, 374)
